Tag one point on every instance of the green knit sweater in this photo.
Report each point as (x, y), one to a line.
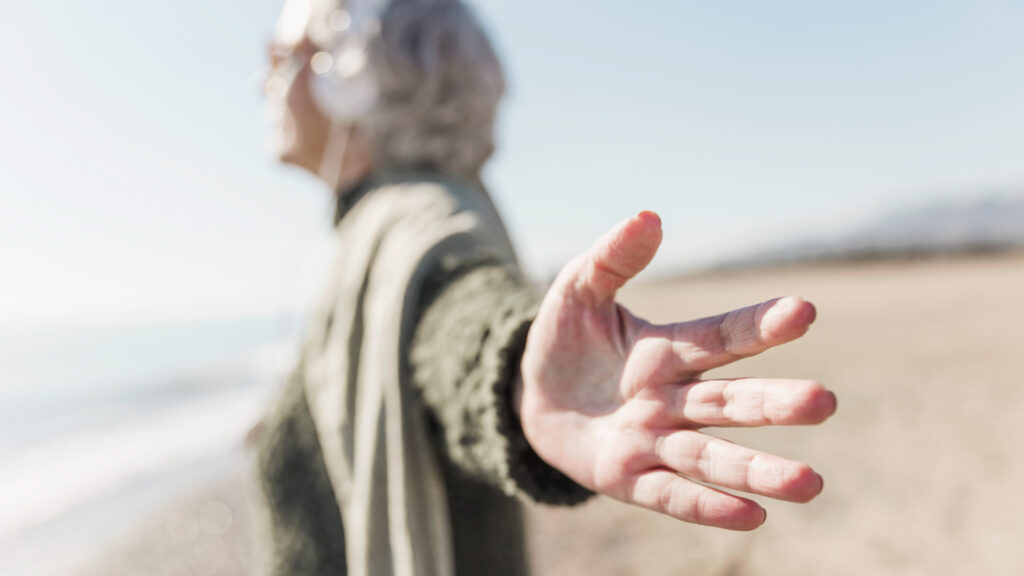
(466, 348)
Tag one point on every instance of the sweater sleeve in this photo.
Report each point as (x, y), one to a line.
(469, 338)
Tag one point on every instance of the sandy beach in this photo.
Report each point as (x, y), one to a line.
(922, 461)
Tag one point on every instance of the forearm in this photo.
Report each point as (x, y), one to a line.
(465, 360)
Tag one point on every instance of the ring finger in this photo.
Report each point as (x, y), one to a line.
(708, 459)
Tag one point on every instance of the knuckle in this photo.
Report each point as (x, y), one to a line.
(706, 460)
(702, 511)
(666, 498)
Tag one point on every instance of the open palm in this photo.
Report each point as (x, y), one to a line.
(616, 403)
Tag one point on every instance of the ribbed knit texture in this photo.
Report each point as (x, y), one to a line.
(465, 351)
(304, 523)
(465, 356)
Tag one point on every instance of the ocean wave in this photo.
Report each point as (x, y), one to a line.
(40, 484)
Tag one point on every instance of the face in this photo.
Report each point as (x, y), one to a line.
(298, 128)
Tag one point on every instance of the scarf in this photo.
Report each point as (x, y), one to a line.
(382, 463)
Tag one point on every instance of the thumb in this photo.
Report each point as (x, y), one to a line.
(617, 257)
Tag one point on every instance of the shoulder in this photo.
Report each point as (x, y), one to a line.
(435, 216)
(412, 193)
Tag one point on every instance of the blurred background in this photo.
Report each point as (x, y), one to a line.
(155, 262)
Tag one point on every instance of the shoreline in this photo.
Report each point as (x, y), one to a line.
(901, 457)
(94, 537)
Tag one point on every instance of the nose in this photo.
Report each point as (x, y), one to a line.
(273, 84)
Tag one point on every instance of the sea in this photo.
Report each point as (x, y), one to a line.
(99, 424)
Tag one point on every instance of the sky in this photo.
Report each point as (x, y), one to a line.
(136, 186)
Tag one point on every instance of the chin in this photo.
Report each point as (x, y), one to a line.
(285, 149)
(284, 154)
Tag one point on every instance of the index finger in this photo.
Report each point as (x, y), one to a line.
(701, 345)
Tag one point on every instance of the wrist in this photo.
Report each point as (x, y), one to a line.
(517, 395)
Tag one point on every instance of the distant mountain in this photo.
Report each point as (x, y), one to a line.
(984, 225)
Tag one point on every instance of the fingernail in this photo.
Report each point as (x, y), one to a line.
(649, 214)
(786, 305)
(777, 308)
(764, 517)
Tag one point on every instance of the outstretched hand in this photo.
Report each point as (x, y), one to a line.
(616, 403)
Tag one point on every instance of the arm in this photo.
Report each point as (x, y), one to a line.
(464, 357)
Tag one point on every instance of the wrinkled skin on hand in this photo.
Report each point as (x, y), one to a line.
(617, 403)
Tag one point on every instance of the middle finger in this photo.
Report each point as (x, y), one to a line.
(744, 402)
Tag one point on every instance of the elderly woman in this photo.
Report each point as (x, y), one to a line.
(435, 385)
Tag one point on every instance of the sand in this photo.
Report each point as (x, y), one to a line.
(922, 462)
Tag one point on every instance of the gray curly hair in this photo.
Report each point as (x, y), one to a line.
(439, 83)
